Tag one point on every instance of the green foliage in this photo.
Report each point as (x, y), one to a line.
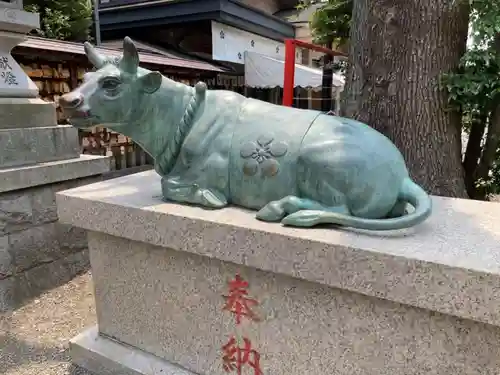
(63, 19)
(485, 22)
(475, 83)
(474, 88)
(331, 22)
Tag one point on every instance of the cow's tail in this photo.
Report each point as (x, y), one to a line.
(410, 192)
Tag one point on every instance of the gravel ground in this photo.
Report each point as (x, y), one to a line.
(34, 338)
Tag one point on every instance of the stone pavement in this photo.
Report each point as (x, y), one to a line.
(34, 338)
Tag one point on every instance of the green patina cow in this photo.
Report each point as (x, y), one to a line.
(214, 147)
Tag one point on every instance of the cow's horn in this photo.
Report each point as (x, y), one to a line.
(130, 61)
(94, 57)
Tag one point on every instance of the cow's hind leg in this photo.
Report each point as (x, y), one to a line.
(321, 187)
(290, 205)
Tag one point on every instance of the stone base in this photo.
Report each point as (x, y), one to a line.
(36, 251)
(104, 356)
(26, 113)
(25, 146)
(324, 300)
(16, 290)
(51, 172)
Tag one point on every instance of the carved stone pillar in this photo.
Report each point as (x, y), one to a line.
(15, 23)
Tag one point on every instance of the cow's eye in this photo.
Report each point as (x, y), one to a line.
(110, 84)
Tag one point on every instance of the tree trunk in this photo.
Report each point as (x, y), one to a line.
(473, 153)
(492, 142)
(398, 52)
(326, 82)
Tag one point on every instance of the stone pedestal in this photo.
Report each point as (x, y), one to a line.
(26, 113)
(170, 280)
(14, 24)
(37, 159)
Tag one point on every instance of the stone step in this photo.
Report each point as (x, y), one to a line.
(17, 178)
(26, 113)
(25, 146)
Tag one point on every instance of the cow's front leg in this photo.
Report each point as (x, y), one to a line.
(174, 189)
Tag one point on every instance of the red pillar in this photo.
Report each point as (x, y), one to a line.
(289, 76)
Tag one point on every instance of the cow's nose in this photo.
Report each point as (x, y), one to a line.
(72, 100)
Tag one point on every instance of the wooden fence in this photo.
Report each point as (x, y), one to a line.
(124, 152)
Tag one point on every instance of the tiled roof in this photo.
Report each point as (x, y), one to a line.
(149, 58)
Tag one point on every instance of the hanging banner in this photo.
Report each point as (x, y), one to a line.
(230, 44)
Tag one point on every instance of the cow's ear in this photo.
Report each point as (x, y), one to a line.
(150, 82)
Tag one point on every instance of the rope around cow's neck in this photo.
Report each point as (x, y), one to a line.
(166, 159)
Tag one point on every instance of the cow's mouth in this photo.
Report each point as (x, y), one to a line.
(81, 114)
(81, 118)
